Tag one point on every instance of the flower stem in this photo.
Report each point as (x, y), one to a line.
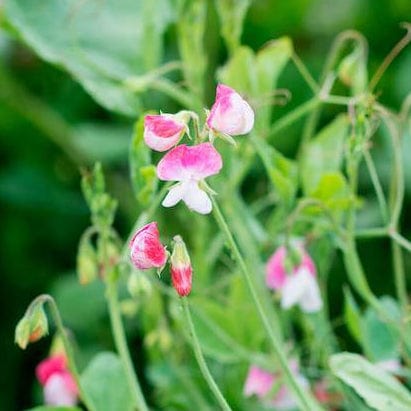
(305, 401)
(45, 298)
(121, 346)
(201, 361)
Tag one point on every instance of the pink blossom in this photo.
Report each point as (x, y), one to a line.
(300, 286)
(260, 382)
(181, 269)
(163, 131)
(230, 113)
(146, 248)
(189, 166)
(59, 387)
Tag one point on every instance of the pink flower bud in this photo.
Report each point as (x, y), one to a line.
(181, 270)
(298, 286)
(146, 248)
(59, 387)
(259, 382)
(163, 131)
(230, 113)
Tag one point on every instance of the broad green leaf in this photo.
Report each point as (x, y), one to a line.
(105, 382)
(352, 315)
(231, 14)
(47, 408)
(324, 153)
(142, 172)
(380, 338)
(378, 389)
(100, 43)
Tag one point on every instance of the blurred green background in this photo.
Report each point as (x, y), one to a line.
(49, 127)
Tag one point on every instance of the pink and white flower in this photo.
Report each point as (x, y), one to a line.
(59, 387)
(230, 113)
(260, 383)
(298, 287)
(189, 165)
(163, 131)
(146, 248)
(180, 267)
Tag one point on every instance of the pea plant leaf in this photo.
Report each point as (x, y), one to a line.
(46, 408)
(379, 390)
(100, 43)
(105, 382)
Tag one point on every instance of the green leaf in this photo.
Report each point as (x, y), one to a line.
(380, 338)
(105, 382)
(352, 315)
(100, 43)
(378, 389)
(142, 173)
(324, 153)
(231, 14)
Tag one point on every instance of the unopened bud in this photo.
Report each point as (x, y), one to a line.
(138, 285)
(32, 327)
(87, 262)
(181, 270)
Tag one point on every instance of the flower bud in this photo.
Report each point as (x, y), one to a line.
(87, 261)
(146, 248)
(181, 270)
(230, 114)
(163, 131)
(32, 327)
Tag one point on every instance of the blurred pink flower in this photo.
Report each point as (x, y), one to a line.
(300, 286)
(260, 383)
(189, 165)
(146, 248)
(163, 131)
(230, 113)
(59, 387)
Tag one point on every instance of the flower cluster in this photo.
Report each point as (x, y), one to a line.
(147, 251)
(59, 387)
(189, 166)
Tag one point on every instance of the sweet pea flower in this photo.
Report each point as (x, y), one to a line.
(146, 248)
(189, 165)
(180, 267)
(230, 113)
(163, 131)
(300, 286)
(59, 387)
(260, 382)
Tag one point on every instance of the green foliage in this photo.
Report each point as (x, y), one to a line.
(105, 382)
(45, 408)
(378, 389)
(100, 59)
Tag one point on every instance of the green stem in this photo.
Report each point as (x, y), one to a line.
(403, 242)
(121, 346)
(201, 361)
(305, 401)
(306, 75)
(45, 298)
(372, 232)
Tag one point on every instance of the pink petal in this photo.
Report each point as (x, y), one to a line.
(275, 269)
(189, 162)
(258, 382)
(146, 248)
(50, 366)
(230, 114)
(161, 132)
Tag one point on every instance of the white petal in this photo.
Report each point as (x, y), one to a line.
(197, 199)
(311, 301)
(56, 392)
(293, 289)
(174, 195)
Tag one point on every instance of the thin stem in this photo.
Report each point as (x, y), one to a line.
(377, 185)
(305, 401)
(305, 73)
(121, 346)
(390, 57)
(376, 232)
(45, 298)
(201, 361)
(403, 242)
